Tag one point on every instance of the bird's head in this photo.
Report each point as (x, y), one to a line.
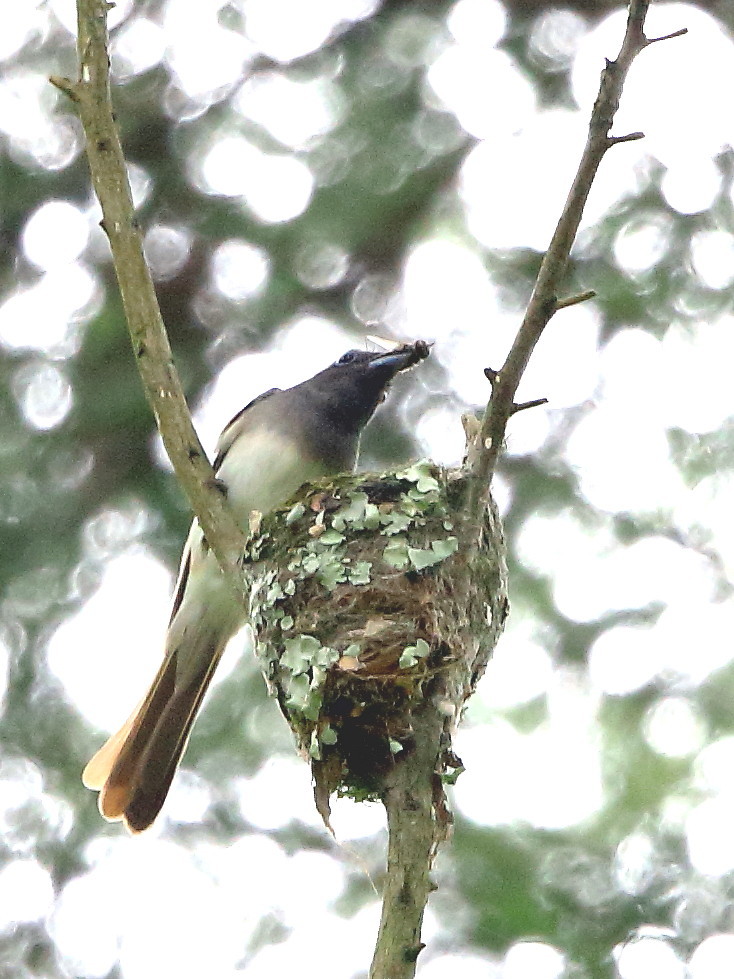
(356, 383)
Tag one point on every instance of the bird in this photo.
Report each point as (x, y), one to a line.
(275, 444)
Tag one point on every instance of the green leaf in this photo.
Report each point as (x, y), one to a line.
(273, 594)
(396, 553)
(295, 514)
(331, 537)
(359, 573)
(421, 473)
(422, 558)
(325, 657)
(422, 649)
(353, 513)
(300, 653)
(310, 563)
(328, 735)
(299, 690)
(395, 522)
(331, 572)
(411, 654)
(445, 548)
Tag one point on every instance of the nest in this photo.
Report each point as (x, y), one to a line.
(366, 610)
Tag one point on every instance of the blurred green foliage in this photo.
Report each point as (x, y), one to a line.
(518, 883)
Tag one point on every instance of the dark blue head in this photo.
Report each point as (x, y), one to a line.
(357, 382)
(330, 409)
(344, 396)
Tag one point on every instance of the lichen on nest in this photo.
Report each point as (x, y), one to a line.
(363, 608)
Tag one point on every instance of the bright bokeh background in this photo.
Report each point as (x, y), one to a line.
(308, 172)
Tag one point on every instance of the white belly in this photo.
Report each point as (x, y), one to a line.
(262, 473)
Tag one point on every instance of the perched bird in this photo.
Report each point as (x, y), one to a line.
(279, 441)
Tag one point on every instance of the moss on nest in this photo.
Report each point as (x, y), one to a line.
(364, 607)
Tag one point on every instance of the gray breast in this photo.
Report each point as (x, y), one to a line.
(318, 427)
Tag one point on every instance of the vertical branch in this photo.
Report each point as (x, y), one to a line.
(413, 810)
(544, 300)
(151, 348)
(416, 818)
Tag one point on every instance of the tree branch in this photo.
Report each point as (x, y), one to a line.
(91, 94)
(414, 812)
(411, 793)
(417, 823)
(483, 455)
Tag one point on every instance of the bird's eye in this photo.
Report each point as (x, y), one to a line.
(348, 357)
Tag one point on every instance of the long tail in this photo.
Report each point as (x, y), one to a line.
(134, 769)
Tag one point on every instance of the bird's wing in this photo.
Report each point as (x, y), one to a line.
(224, 444)
(233, 427)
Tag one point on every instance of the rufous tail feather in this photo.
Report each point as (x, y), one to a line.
(133, 770)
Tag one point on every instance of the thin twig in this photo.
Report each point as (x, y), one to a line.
(666, 37)
(544, 300)
(582, 297)
(524, 405)
(91, 94)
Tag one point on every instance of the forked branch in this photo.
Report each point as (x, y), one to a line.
(544, 301)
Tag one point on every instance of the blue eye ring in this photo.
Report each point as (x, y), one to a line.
(348, 357)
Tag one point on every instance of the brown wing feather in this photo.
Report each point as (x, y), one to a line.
(115, 764)
(183, 577)
(134, 769)
(159, 762)
(98, 767)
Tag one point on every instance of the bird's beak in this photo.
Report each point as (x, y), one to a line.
(394, 361)
(400, 359)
